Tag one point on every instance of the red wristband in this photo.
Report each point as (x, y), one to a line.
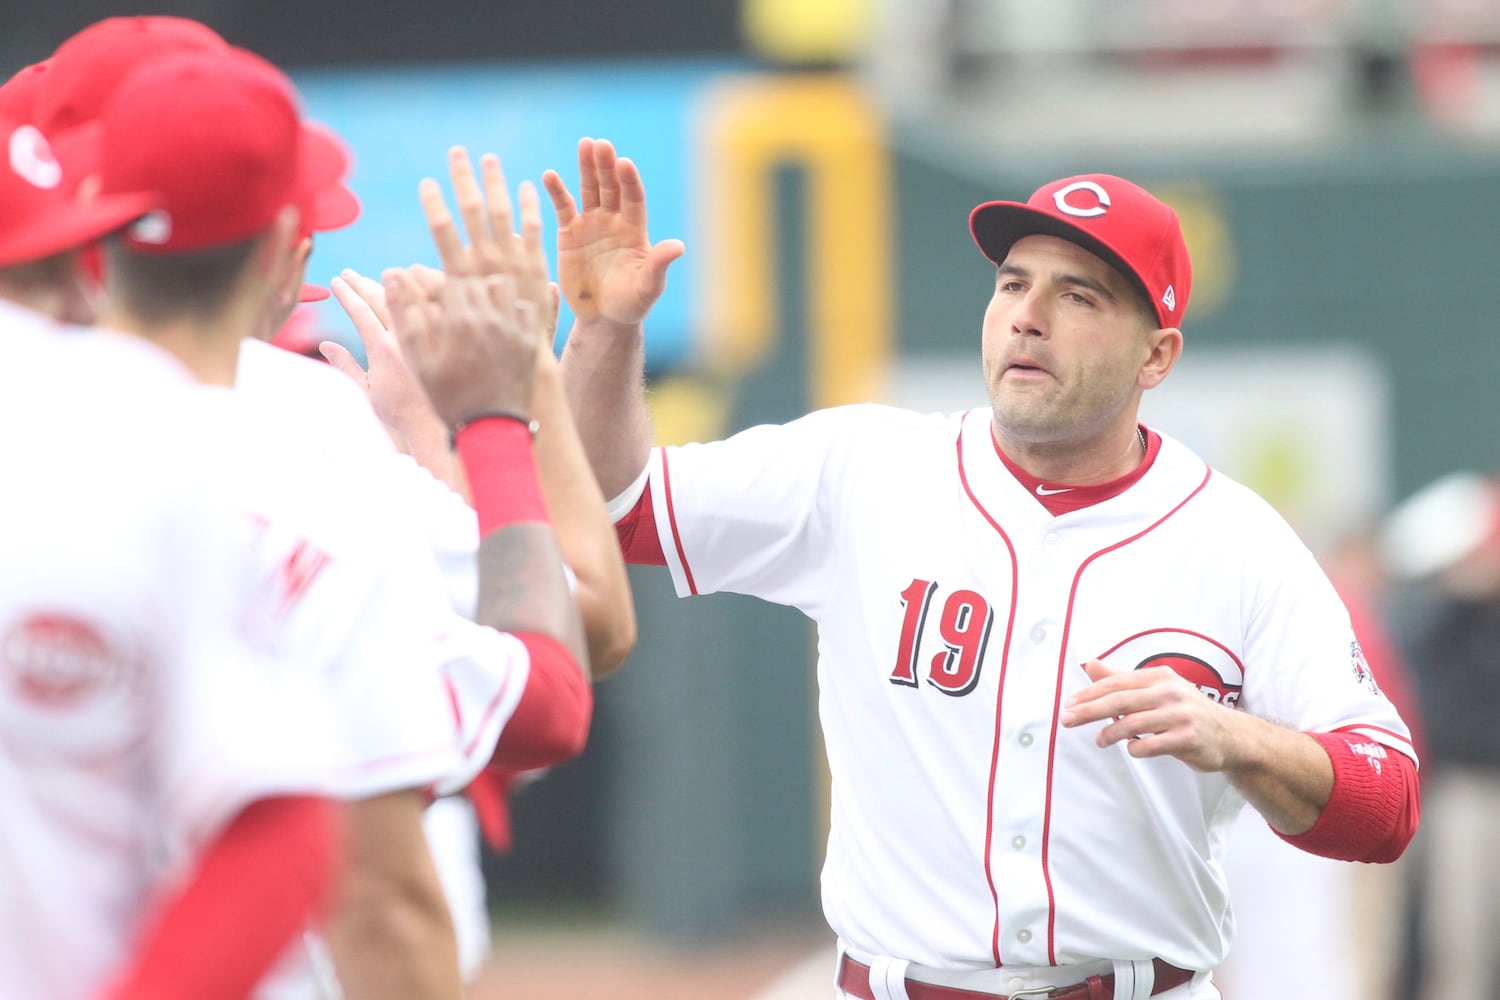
(501, 468)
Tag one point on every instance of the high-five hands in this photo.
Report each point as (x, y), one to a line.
(607, 266)
(473, 337)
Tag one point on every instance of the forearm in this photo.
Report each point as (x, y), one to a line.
(522, 586)
(1284, 774)
(603, 369)
(583, 529)
(392, 935)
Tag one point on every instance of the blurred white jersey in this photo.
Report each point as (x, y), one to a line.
(139, 708)
(425, 539)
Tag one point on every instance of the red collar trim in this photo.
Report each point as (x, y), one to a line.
(1060, 498)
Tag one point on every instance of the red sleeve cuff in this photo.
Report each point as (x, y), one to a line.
(551, 721)
(1375, 805)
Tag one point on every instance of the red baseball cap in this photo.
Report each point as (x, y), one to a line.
(326, 203)
(18, 95)
(219, 139)
(1117, 221)
(39, 216)
(86, 69)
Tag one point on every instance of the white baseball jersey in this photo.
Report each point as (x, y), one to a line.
(968, 828)
(425, 539)
(139, 708)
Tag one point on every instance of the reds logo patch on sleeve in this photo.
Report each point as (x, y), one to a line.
(1361, 667)
(1205, 663)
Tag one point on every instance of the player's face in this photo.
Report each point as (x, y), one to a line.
(1066, 339)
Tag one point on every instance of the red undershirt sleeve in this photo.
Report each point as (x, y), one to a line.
(251, 892)
(551, 721)
(550, 725)
(637, 533)
(1375, 806)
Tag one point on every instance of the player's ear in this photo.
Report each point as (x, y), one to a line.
(1166, 348)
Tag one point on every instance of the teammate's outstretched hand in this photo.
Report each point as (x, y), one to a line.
(473, 344)
(484, 208)
(607, 266)
(1159, 712)
(394, 390)
(492, 296)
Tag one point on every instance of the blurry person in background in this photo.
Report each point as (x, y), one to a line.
(1443, 543)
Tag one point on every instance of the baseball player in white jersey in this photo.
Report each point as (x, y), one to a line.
(400, 626)
(137, 675)
(1050, 638)
(572, 497)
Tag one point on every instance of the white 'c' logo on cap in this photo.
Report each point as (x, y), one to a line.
(1061, 197)
(31, 158)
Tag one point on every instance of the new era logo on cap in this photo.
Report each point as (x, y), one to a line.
(1119, 222)
(154, 228)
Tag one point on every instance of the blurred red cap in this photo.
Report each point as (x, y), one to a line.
(218, 138)
(39, 216)
(86, 69)
(18, 95)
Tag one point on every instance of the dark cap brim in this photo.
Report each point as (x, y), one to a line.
(997, 225)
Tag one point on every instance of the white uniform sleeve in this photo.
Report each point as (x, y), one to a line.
(753, 514)
(1303, 665)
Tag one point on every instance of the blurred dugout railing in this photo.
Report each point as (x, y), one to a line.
(1112, 28)
(1439, 58)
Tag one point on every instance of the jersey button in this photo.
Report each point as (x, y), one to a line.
(1051, 538)
(1026, 739)
(1038, 634)
(1018, 842)
(1023, 936)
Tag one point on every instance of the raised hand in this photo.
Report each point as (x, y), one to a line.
(473, 344)
(607, 266)
(394, 390)
(495, 285)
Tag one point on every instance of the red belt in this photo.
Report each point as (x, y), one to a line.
(854, 979)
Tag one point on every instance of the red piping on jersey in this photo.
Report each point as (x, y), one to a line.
(1179, 631)
(1010, 624)
(666, 486)
(489, 711)
(1057, 705)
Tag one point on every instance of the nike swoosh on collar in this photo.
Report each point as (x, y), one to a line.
(1042, 491)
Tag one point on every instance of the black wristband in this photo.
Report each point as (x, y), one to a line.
(520, 418)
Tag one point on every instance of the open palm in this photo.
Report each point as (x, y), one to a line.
(607, 267)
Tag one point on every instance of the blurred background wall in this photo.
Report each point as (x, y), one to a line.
(1334, 161)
